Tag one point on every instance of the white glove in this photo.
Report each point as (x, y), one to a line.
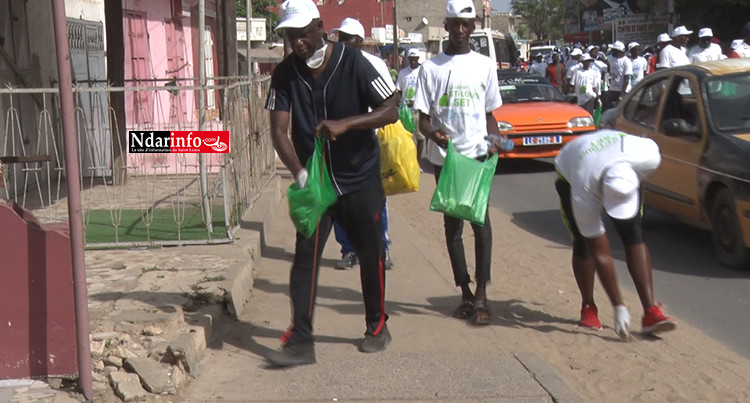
(622, 322)
(301, 178)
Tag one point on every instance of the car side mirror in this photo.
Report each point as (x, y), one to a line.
(679, 127)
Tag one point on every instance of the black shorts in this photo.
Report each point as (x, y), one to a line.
(630, 230)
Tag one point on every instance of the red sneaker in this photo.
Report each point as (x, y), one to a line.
(589, 318)
(654, 321)
(285, 337)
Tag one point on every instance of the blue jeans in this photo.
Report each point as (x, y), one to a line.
(343, 240)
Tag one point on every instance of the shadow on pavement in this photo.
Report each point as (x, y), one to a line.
(675, 247)
(507, 166)
(514, 314)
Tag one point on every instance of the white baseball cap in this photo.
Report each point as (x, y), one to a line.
(681, 30)
(412, 53)
(352, 27)
(297, 13)
(620, 195)
(586, 57)
(618, 46)
(704, 32)
(591, 47)
(631, 45)
(460, 9)
(663, 38)
(576, 52)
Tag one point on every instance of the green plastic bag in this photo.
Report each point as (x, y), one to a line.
(463, 190)
(597, 114)
(307, 205)
(406, 117)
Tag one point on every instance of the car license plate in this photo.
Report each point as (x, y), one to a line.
(542, 140)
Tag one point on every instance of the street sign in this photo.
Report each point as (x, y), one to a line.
(640, 28)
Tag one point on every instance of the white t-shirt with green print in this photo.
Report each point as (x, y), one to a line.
(457, 91)
(407, 82)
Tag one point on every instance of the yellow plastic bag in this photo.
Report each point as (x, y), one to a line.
(399, 169)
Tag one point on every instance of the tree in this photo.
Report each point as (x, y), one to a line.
(543, 17)
(262, 9)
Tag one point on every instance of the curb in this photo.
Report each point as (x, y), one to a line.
(547, 378)
(251, 239)
(164, 368)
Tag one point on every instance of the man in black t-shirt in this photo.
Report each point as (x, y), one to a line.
(329, 88)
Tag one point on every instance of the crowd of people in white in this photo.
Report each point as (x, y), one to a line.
(595, 76)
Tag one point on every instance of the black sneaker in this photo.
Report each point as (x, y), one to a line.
(348, 261)
(388, 262)
(375, 344)
(292, 355)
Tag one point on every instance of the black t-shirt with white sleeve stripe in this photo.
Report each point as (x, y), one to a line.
(348, 86)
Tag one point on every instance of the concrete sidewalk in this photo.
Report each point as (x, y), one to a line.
(155, 313)
(432, 356)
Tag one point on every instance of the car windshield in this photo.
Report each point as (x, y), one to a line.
(528, 89)
(729, 102)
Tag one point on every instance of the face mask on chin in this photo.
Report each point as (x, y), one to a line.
(316, 60)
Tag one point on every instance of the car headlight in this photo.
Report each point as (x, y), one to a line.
(504, 126)
(581, 122)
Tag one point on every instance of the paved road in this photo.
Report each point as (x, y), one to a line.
(688, 280)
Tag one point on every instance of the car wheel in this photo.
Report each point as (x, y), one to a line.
(726, 232)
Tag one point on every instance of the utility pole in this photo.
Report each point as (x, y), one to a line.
(395, 35)
(202, 111)
(248, 15)
(75, 217)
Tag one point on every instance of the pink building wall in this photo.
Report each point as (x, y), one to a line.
(158, 49)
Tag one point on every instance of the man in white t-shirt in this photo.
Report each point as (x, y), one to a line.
(620, 70)
(593, 51)
(457, 91)
(741, 47)
(675, 54)
(587, 83)
(352, 33)
(603, 171)
(574, 58)
(602, 64)
(570, 67)
(705, 50)
(538, 67)
(640, 64)
(406, 84)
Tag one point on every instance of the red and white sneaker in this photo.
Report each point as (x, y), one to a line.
(590, 318)
(654, 321)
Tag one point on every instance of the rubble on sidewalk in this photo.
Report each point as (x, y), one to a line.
(148, 337)
(154, 312)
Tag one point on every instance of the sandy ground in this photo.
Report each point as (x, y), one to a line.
(536, 302)
(434, 357)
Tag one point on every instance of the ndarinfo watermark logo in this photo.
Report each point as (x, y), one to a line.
(178, 142)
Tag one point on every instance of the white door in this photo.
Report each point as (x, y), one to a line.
(208, 49)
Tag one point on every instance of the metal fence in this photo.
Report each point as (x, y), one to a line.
(138, 199)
